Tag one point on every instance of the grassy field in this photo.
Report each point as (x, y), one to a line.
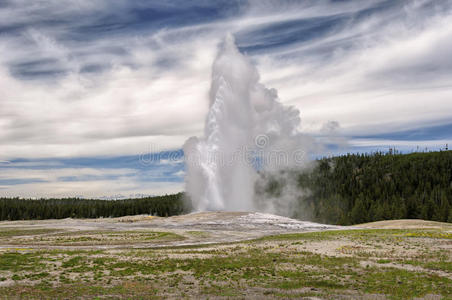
(344, 264)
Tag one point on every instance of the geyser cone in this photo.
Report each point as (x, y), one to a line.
(245, 122)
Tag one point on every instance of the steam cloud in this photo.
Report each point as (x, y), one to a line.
(247, 132)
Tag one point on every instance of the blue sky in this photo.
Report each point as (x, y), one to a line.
(88, 89)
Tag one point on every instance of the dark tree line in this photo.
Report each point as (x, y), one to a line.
(348, 189)
(25, 209)
(357, 188)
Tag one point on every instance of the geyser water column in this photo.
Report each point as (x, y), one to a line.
(217, 178)
(243, 116)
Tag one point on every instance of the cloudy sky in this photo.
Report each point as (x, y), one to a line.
(97, 97)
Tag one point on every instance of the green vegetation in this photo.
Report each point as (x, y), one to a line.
(53, 237)
(84, 238)
(25, 209)
(364, 262)
(9, 232)
(359, 188)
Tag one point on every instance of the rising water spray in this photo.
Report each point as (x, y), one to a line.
(247, 131)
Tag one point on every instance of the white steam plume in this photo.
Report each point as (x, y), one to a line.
(247, 130)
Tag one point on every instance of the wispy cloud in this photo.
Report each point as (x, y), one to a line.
(93, 177)
(112, 79)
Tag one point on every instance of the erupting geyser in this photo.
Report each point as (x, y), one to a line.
(246, 129)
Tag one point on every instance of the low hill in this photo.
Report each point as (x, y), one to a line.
(407, 224)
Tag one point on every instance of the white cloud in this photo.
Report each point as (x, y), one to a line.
(394, 76)
(390, 71)
(86, 182)
(54, 174)
(89, 189)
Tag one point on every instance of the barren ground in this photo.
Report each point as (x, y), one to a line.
(224, 255)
